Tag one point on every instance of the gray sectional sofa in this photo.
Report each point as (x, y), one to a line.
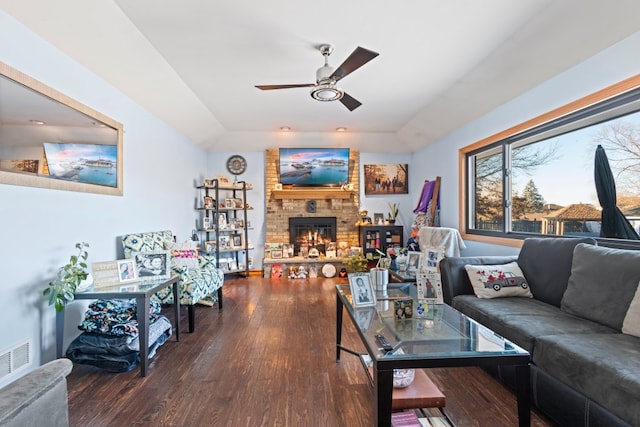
(585, 370)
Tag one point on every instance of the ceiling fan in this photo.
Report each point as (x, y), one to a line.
(325, 89)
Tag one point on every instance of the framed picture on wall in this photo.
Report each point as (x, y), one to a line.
(386, 179)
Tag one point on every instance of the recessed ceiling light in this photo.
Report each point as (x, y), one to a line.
(37, 122)
(285, 128)
(341, 129)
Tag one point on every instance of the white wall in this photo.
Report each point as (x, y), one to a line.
(40, 227)
(616, 63)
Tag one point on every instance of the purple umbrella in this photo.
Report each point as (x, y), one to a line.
(614, 223)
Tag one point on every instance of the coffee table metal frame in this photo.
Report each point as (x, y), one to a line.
(142, 292)
(423, 352)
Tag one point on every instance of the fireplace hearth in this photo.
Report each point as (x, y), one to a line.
(311, 232)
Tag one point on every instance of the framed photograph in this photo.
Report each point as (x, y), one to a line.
(236, 240)
(277, 186)
(276, 253)
(224, 242)
(127, 271)
(223, 181)
(362, 290)
(432, 258)
(229, 203)
(414, 261)
(238, 223)
(209, 203)
(222, 220)
(364, 317)
(207, 182)
(386, 179)
(429, 286)
(238, 203)
(210, 246)
(378, 218)
(153, 265)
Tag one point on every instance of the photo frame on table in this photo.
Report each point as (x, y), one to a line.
(414, 261)
(153, 265)
(361, 290)
(378, 218)
(127, 271)
(432, 257)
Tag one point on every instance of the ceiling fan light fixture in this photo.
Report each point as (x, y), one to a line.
(326, 92)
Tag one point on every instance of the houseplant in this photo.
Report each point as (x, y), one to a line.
(356, 263)
(393, 213)
(60, 291)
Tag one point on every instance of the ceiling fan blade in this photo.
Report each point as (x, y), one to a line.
(357, 59)
(271, 87)
(350, 102)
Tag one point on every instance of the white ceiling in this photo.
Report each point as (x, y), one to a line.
(194, 63)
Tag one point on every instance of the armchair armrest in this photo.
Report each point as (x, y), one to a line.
(455, 280)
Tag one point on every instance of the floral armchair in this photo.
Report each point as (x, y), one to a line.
(199, 277)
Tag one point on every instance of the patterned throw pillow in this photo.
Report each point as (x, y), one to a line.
(494, 281)
(184, 254)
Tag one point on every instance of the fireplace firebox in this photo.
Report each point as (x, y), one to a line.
(312, 232)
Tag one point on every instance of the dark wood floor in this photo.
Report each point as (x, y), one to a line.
(266, 359)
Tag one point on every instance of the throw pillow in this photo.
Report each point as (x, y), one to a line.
(493, 281)
(184, 254)
(631, 323)
(602, 284)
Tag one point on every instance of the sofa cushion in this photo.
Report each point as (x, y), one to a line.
(523, 320)
(455, 280)
(631, 323)
(145, 242)
(603, 367)
(602, 284)
(494, 281)
(546, 264)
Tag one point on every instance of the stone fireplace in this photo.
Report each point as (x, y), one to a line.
(293, 203)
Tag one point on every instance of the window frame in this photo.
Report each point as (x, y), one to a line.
(569, 113)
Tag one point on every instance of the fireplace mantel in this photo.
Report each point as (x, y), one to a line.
(311, 194)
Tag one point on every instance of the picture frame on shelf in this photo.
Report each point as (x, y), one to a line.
(209, 202)
(236, 240)
(153, 265)
(238, 203)
(223, 181)
(207, 182)
(206, 223)
(222, 220)
(238, 223)
(224, 242)
(276, 253)
(127, 271)
(378, 218)
(229, 203)
(361, 290)
(210, 246)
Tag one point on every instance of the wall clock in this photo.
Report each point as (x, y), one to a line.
(236, 164)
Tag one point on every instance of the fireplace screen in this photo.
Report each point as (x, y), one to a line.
(307, 233)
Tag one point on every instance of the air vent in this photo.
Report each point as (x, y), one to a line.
(15, 359)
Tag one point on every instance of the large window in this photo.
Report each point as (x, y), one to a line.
(538, 178)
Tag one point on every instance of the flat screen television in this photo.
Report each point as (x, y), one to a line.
(314, 167)
(86, 163)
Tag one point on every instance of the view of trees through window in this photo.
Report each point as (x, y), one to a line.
(545, 184)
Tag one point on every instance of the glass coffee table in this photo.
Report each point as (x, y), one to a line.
(436, 336)
(142, 292)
